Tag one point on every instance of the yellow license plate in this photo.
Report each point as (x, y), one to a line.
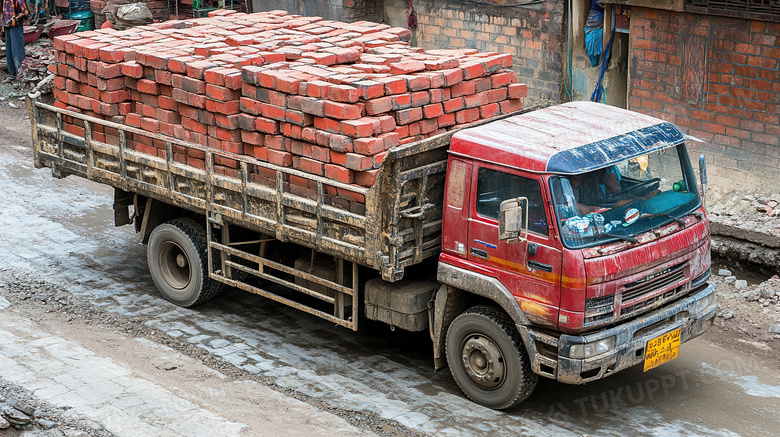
(662, 349)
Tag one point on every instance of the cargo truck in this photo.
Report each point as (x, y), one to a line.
(568, 242)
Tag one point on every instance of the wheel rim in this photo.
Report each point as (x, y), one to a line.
(483, 362)
(175, 265)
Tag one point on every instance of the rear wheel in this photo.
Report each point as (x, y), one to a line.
(179, 264)
(487, 358)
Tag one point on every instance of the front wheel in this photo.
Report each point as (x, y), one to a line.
(487, 358)
(179, 264)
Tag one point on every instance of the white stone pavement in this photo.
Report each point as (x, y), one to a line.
(66, 374)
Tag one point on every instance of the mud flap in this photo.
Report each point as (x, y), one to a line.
(448, 303)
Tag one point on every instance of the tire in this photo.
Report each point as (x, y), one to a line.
(178, 263)
(487, 358)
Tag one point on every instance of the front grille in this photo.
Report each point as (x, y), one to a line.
(649, 302)
(655, 288)
(656, 281)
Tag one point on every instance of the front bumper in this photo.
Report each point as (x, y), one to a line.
(550, 355)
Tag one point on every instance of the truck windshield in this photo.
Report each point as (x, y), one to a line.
(625, 199)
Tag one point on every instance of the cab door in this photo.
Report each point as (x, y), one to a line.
(530, 269)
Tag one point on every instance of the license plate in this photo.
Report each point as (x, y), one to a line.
(662, 349)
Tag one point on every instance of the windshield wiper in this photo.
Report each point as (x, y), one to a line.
(622, 237)
(663, 214)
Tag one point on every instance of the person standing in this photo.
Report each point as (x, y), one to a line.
(14, 14)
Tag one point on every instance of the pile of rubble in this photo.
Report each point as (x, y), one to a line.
(767, 206)
(20, 415)
(749, 306)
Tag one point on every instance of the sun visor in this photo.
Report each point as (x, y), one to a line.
(613, 150)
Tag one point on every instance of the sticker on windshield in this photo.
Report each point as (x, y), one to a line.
(631, 216)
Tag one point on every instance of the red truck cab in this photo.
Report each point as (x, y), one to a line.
(607, 262)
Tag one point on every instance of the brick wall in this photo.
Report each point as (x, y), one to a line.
(717, 78)
(534, 35)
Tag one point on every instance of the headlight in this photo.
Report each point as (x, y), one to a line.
(588, 350)
(703, 304)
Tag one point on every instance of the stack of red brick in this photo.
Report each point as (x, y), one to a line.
(324, 97)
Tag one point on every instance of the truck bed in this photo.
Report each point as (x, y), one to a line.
(400, 224)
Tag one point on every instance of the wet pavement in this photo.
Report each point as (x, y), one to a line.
(62, 230)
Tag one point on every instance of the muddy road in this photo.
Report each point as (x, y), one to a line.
(84, 331)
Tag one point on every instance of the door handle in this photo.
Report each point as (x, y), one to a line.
(540, 266)
(479, 252)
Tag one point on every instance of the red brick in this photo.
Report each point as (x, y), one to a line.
(254, 138)
(401, 101)
(272, 111)
(163, 77)
(467, 115)
(406, 116)
(313, 106)
(420, 98)
(463, 89)
(114, 96)
(150, 124)
(133, 69)
(517, 90)
(418, 83)
(133, 120)
(343, 93)
(107, 71)
(434, 110)
(260, 153)
(379, 106)
(366, 178)
(147, 86)
(192, 85)
(512, 105)
(341, 111)
(298, 117)
(221, 93)
(357, 128)
(226, 121)
(490, 110)
(428, 125)
(393, 85)
(369, 146)
(340, 143)
(359, 162)
(311, 166)
(339, 173)
(474, 100)
(226, 108)
(280, 158)
(315, 88)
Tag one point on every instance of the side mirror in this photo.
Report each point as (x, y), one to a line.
(703, 175)
(513, 219)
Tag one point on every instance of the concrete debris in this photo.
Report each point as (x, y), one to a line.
(724, 272)
(14, 416)
(21, 406)
(730, 279)
(751, 295)
(740, 284)
(4, 424)
(38, 56)
(774, 329)
(46, 424)
(726, 314)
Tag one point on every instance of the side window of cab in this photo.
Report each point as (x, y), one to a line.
(493, 187)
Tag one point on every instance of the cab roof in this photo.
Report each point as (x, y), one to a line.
(571, 138)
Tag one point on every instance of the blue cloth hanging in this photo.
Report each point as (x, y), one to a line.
(594, 36)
